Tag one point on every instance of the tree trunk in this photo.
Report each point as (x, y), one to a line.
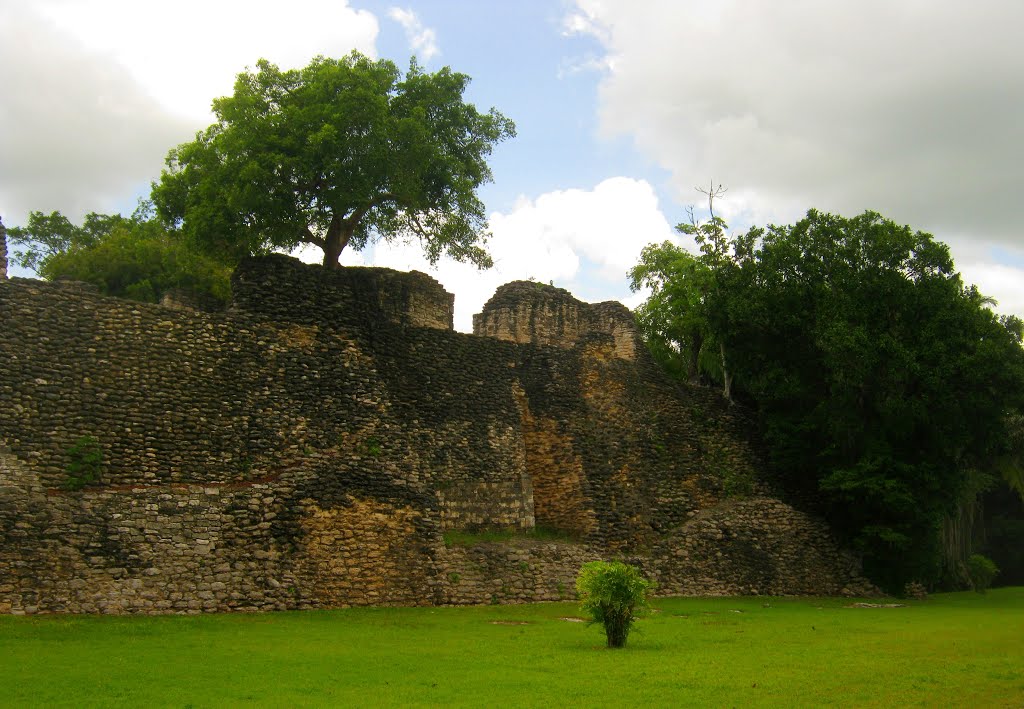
(960, 532)
(693, 361)
(331, 254)
(335, 242)
(726, 377)
(616, 627)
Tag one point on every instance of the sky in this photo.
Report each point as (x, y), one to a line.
(911, 108)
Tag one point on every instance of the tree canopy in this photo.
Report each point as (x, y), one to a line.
(48, 235)
(131, 257)
(673, 320)
(885, 386)
(337, 154)
(686, 308)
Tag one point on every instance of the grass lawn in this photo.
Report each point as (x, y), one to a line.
(960, 649)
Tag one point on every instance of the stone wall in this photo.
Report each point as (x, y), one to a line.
(530, 312)
(754, 546)
(3, 251)
(285, 289)
(294, 453)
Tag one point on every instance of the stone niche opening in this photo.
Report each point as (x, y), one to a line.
(556, 476)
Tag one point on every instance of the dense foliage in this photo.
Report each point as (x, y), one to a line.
(888, 392)
(1003, 526)
(128, 257)
(672, 318)
(336, 155)
(613, 594)
(48, 235)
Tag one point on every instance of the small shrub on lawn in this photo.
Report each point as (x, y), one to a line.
(615, 595)
(982, 571)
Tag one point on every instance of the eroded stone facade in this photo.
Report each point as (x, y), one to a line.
(311, 446)
(534, 313)
(3, 252)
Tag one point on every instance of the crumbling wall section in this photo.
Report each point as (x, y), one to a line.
(530, 312)
(755, 546)
(282, 288)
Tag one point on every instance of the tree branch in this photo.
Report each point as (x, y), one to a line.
(711, 193)
(311, 238)
(353, 219)
(417, 226)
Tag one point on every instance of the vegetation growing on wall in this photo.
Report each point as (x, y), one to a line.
(127, 257)
(85, 464)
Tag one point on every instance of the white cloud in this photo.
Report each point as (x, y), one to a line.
(909, 108)
(558, 237)
(608, 225)
(1002, 282)
(97, 91)
(586, 21)
(997, 270)
(422, 40)
(188, 52)
(77, 132)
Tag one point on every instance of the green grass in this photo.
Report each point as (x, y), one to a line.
(959, 649)
(465, 538)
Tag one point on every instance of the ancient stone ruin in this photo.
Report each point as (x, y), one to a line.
(3, 251)
(316, 444)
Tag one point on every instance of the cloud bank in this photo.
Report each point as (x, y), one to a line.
(908, 108)
(90, 109)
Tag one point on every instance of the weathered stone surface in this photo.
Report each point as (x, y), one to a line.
(310, 446)
(757, 546)
(530, 312)
(3, 251)
(285, 289)
(183, 299)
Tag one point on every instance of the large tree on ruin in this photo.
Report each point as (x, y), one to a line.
(338, 154)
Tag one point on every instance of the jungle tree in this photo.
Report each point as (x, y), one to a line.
(338, 154)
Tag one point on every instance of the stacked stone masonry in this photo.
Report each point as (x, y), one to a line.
(313, 445)
(530, 312)
(3, 252)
